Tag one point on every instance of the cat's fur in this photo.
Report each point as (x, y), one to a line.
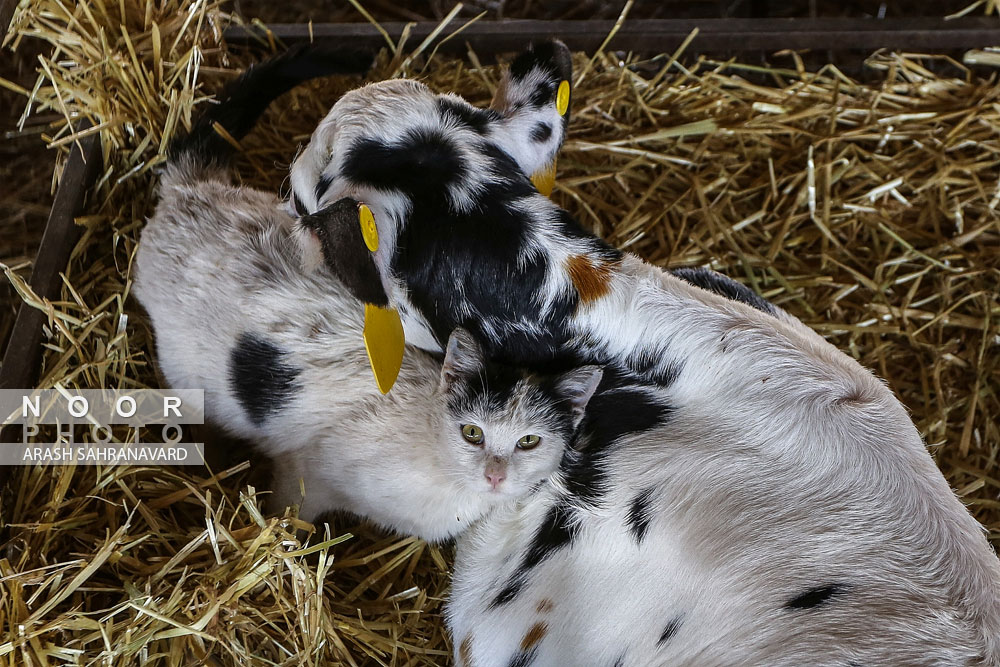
(281, 356)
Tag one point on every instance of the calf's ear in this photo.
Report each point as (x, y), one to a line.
(338, 230)
(533, 100)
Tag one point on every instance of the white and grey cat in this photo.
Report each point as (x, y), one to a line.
(280, 354)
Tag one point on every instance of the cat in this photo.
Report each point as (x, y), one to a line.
(449, 444)
(281, 356)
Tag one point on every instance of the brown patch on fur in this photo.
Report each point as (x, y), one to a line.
(534, 635)
(465, 651)
(591, 281)
(545, 605)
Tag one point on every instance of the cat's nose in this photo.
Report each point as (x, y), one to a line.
(496, 473)
(495, 478)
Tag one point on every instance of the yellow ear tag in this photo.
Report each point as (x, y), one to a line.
(368, 229)
(384, 344)
(545, 178)
(383, 331)
(562, 98)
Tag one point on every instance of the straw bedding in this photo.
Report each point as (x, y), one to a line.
(870, 211)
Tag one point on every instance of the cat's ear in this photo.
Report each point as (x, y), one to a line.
(533, 102)
(577, 387)
(463, 357)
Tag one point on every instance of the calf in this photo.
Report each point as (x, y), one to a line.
(756, 498)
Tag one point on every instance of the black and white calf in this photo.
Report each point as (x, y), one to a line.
(758, 499)
(465, 238)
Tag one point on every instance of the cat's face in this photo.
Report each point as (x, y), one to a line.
(506, 429)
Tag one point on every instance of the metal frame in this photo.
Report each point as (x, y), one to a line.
(663, 35)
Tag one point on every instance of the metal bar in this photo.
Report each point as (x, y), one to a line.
(23, 356)
(664, 35)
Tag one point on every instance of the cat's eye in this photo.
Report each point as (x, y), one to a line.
(528, 442)
(472, 433)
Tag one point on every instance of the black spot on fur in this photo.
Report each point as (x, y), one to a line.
(493, 387)
(620, 662)
(508, 593)
(424, 161)
(613, 412)
(551, 57)
(259, 377)
(297, 204)
(815, 597)
(669, 631)
(645, 365)
(545, 94)
(322, 186)
(568, 226)
(541, 132)
(479, 120)
(523, 658)
(555, 532)
(344, 251)
(724, 286)
(639, 514)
